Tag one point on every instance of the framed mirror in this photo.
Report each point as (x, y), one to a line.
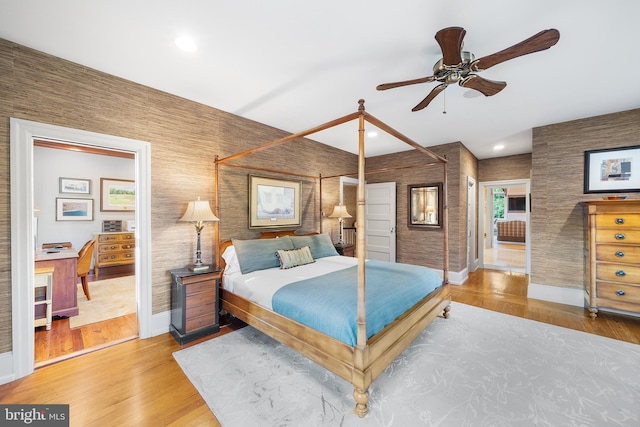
(424, 205)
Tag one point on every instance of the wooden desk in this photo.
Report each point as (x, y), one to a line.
(65, 278)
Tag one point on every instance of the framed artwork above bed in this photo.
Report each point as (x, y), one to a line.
(273, 202)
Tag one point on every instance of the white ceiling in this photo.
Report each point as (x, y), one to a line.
(295, 64)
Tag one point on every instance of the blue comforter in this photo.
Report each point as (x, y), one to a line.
(329, 304)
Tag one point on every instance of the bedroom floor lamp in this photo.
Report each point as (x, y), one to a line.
(340, 212)
(198, 212)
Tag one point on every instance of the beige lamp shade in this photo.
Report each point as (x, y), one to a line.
(199, 211)
(340, 211)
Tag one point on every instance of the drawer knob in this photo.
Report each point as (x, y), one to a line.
(620, 273)
(619, 236)
(620, 292)
(619, 254)
(619, 220)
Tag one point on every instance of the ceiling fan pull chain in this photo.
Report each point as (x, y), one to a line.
(444, 103)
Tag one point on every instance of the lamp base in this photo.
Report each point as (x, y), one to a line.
(198, 267)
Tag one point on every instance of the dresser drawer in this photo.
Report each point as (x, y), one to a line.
(115, 258)
(618, 253)
(619, 292)
(618, 236)
(617, 220)
(618, 272)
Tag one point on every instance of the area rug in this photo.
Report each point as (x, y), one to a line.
(477, 368)
(109, 298)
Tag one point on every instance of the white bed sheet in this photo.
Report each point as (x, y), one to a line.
(259, 286)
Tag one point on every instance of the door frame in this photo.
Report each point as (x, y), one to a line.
(483, 210)
(23, 132)
(471, 225)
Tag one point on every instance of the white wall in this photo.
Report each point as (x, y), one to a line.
(50, 164)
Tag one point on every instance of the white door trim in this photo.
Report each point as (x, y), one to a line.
(482, 217)
(23, 133)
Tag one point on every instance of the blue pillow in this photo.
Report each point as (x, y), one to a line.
(260, 254)
(320, 244)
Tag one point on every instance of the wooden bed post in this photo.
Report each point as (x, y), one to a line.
(216, 212)
(360, 393)
(445, 229)
(321, 211)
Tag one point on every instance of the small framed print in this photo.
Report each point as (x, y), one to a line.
(274, 202)
(117, 195)
(74, 186)
(613, 170)
(74, 209)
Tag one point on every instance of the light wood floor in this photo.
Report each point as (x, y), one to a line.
(139, 383)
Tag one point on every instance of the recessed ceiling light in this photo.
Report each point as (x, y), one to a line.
(372, 134)
(186, 44)
(498, 147)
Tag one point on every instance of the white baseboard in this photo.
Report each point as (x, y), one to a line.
(160, 323)
(6, 368)
(570, 296)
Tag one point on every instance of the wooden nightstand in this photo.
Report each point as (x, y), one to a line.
(194, 304)
(345, 250)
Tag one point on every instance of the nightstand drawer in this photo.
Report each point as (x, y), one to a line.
(199, 299)
(200, 322)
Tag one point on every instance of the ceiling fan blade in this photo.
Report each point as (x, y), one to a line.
(541, 41)
(434, 92)
(485, 86)
(450, 41)
(386, 86)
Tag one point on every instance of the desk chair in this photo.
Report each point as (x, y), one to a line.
(84, 265)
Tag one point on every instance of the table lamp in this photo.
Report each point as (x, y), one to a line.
(198, 212)
(340, 212)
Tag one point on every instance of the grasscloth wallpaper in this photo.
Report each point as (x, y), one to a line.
(184, 137)
(557, 190)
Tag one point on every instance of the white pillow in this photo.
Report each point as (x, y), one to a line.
(231, 260)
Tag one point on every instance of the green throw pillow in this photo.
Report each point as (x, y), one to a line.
(290, 258)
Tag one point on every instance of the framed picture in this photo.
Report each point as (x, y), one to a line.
(613, 170)
(117, 195)
(74, 186)
(424, 205)
(273, 202)
(74, 209)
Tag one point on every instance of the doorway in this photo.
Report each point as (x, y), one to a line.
(23, 133)
(504, 226)
(107, 315)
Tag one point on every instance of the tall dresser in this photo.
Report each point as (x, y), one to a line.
(612, 255)
(114, 248)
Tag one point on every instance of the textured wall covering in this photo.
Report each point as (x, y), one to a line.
(184, 137)
(425, 246)
(505, 168)
(557, 190)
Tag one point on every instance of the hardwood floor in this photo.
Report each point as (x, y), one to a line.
(138, 382)
(62, 342)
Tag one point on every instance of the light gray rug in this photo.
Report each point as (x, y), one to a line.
(477, 368)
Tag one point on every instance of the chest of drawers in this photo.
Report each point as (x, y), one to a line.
(114, 249)
(612, 255)
(194, 304)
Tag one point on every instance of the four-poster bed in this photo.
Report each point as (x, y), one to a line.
(361, 363)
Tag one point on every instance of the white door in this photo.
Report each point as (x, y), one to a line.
(380, 211)
(471, 224)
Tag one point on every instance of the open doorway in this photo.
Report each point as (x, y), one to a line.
(104, 314)
(23, 133)
(504, 225)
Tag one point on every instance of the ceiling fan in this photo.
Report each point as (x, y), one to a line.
(458, 66)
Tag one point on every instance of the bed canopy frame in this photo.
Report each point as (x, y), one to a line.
(365, 376)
